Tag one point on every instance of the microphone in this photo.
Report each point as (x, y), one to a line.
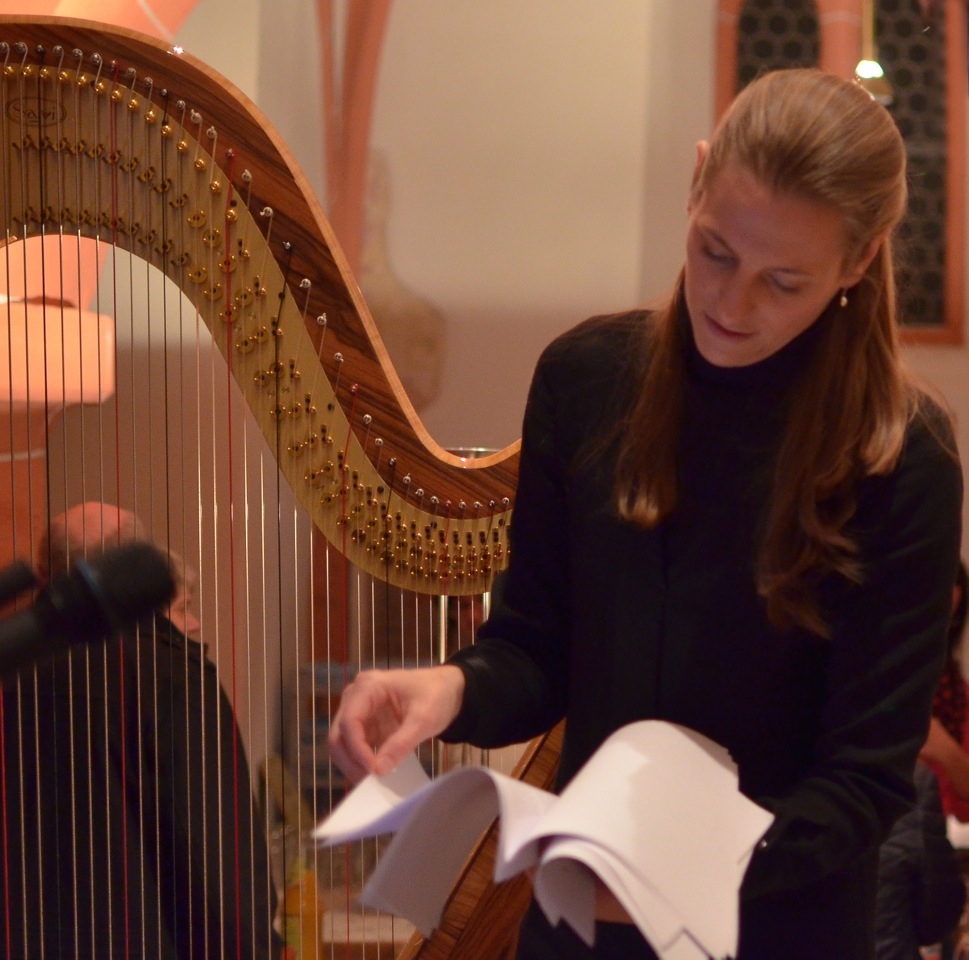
(92, 601)
(15, 580)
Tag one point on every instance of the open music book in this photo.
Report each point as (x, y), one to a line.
(655, 813)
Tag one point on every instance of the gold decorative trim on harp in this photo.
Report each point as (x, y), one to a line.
(108, 142)
(114, 137)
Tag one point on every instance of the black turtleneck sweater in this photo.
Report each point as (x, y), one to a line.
(604, 623)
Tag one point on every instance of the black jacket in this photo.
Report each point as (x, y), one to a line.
(130, 829)
(604, 624)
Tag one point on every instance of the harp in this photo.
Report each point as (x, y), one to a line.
(222, 379)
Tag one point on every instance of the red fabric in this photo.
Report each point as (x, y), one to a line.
(949, 705)
(949, 708)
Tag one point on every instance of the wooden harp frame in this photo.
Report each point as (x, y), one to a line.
(147, 149)
(111, 136)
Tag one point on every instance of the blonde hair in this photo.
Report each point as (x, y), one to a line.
(821, 138)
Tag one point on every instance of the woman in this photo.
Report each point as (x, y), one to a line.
(738, 514)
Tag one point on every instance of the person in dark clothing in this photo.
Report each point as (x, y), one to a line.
(921, 892)
(129, 825)
(736, 513)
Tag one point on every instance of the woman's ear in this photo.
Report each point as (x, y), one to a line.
(856, 272)
(702, 149)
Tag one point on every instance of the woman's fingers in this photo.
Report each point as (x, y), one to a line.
(359, 725)
(385, 714)
(346, 757)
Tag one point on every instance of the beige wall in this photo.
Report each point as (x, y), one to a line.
(539, 155)
(948, 369)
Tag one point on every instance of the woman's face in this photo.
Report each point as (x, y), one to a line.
(761, 266)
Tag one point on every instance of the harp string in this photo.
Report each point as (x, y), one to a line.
(132, 888)
(134, 891)
(231, 822)
(303, 381)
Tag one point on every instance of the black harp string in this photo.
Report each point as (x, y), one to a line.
(9, 772)
(8, 307)
(172, 227)
(124, 114)
(86, 660)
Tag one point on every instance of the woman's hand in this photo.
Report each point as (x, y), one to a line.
(385, 714)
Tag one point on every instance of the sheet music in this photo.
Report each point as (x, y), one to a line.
(655, 814)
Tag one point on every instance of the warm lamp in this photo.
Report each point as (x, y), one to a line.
(55, 354)
(869, 73)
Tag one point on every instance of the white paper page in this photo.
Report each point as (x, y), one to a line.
(452, 815)
(674, 813)
(420, 866)
(565, 890)
(684, 948)
(560, 895)
(523, 807)
(659, 805)
(559, 891)
(375, 805)
(436, 827)
(381, 804)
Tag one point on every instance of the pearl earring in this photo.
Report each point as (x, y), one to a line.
(843, 300)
